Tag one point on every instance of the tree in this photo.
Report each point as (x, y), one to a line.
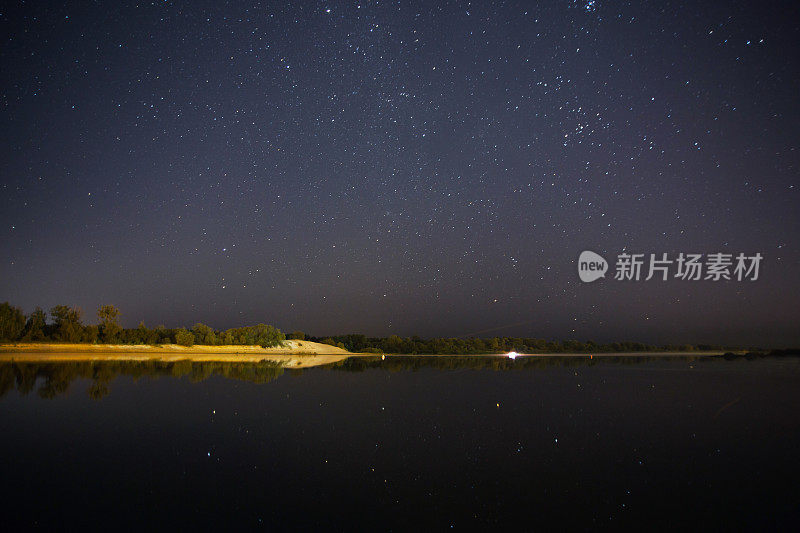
(393, 344)
(162, 334)
(109, 327)
(296, 335)
(146, 336)
(34, 328)
(67, 322)
(266, 336)
(12, 322)
(91, 334)
(184, 337)
(204, 334)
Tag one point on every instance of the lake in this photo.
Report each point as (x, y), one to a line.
(405, 443)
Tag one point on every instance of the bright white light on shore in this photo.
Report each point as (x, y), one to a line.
(512, 355)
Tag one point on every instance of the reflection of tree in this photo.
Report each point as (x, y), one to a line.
(103, 375)
(98, 390)
(397, 363)
(201, 371)
(7, 379)
(57, 377)
(53, 387)
(181, 368)
(26, 378)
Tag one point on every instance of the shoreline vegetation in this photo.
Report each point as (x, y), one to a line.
(65, 337)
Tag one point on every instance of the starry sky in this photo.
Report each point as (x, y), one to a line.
(402, 167)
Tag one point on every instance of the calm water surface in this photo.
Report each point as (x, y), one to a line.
(403, 444)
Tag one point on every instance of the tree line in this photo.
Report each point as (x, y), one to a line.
(66, 325)
(476, 346)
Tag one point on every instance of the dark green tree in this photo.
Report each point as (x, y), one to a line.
(109, 327)
(67, 322)
(12, 322)
(35, 327)
(91, 334)
(184, 337)
(267, 336)
(204, 334)
(147, 336)
(162, 335)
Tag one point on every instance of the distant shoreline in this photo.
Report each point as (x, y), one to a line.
(291, 352)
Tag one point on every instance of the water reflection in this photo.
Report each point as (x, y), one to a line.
(403, 443)
(55, 378)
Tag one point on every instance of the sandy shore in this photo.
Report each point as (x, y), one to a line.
(294, 354)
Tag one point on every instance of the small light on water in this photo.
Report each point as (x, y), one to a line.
(512, 355)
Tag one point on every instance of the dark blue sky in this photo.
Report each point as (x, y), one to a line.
(399, 167)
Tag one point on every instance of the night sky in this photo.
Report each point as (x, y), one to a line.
(402, 167)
